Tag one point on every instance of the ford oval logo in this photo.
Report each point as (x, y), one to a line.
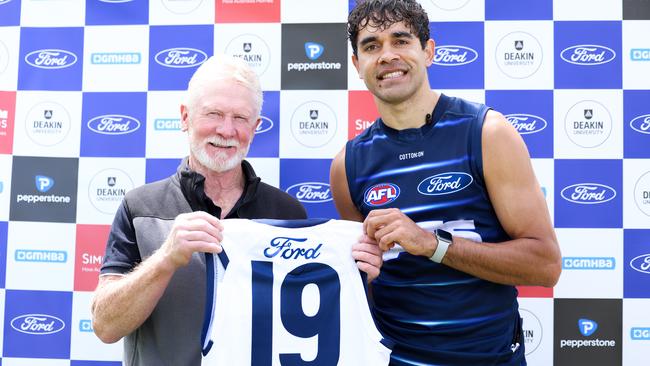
(113, 124)
(51, 59)
(311, 192)
(381, 194)
(445, 183)
(4, 1)
(641, 263)
(641, 124)
(37, 324)
(454, 55)
(181, 57)
(588, 193)
(526, 123)
(116, 1)
(265, 125)
(588, 55)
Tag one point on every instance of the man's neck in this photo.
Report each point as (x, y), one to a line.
(411, 113)
(223, 188)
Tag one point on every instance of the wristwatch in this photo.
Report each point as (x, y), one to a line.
(444, 241)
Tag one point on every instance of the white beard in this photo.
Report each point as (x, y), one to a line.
(219, 162)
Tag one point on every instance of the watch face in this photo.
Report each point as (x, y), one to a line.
(445, 235)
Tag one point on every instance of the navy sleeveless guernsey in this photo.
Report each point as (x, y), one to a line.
(434, 174)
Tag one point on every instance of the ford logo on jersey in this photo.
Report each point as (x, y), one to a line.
(282, 246)
(113, 124)
(311, 192)
(265, 125)
(526, 123)
(381, 194)
(588, 55)
(445, 183)
(51, 59)
(37, 324)
(116, 1)
(454, 55)
(641, 124)
(588, 193)
(181, 57)
(641, 263)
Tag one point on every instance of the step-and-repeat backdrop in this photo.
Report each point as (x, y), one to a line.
(89, 109)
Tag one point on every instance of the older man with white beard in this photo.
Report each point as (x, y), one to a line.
(151, 289)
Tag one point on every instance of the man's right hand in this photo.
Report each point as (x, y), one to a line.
(192, 232)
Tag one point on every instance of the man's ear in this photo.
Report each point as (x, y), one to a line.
(355, 62)
(429, 50)
(185, 118)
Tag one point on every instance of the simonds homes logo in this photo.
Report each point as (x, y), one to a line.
(451, 55)
(181, 57)
(588, 193)
(37, 324)
(51, 59)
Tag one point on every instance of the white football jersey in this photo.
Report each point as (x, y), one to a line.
(289, 293)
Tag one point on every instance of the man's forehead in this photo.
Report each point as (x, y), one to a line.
(373, 30)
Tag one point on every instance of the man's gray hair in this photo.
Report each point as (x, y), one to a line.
(222, 67)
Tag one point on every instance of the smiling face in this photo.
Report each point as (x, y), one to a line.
(221, 123)
(392, 62)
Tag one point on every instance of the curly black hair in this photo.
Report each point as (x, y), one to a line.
(384, 13)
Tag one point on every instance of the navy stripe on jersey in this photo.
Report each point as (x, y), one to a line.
(434, 174)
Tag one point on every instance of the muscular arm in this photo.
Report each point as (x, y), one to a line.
(531, 258)
(123, 302)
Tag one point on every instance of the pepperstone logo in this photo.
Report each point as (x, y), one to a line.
(115, 58)
(37, 324)
(532, 330)
(113, 124)
(252, 49)
(588, 124)
(313, 124)
(641, 124)
(181, 57)
(313, 51)
(452, 55)
(519, 55)
(640, 54)
(311, 192)
(642, 193)
(641, 263)
(450, 5)
(266, 124)
(588, 193)
(43, 185)
(48, 123)
(107, 189)
(181, 6)
(51, 59)
(588, 55)
(526, 123)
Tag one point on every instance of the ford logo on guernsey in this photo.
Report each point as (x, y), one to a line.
(454, 56)
(588, 193)
(641, 263)
(588, 55)
(113, 124)
(37, 324)
(51, 59)
(311, 192)
(181, 57)
(265, 125)
(641, 124)
(116, 1)
(445, 183)
(526, 123)
(381, 194)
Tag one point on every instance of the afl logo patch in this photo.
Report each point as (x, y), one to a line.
(381, 194)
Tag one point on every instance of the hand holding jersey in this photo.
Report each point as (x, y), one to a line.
(391, 226)
(192, 232)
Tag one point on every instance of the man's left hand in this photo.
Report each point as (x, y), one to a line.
(368, 256)
(391, 226)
